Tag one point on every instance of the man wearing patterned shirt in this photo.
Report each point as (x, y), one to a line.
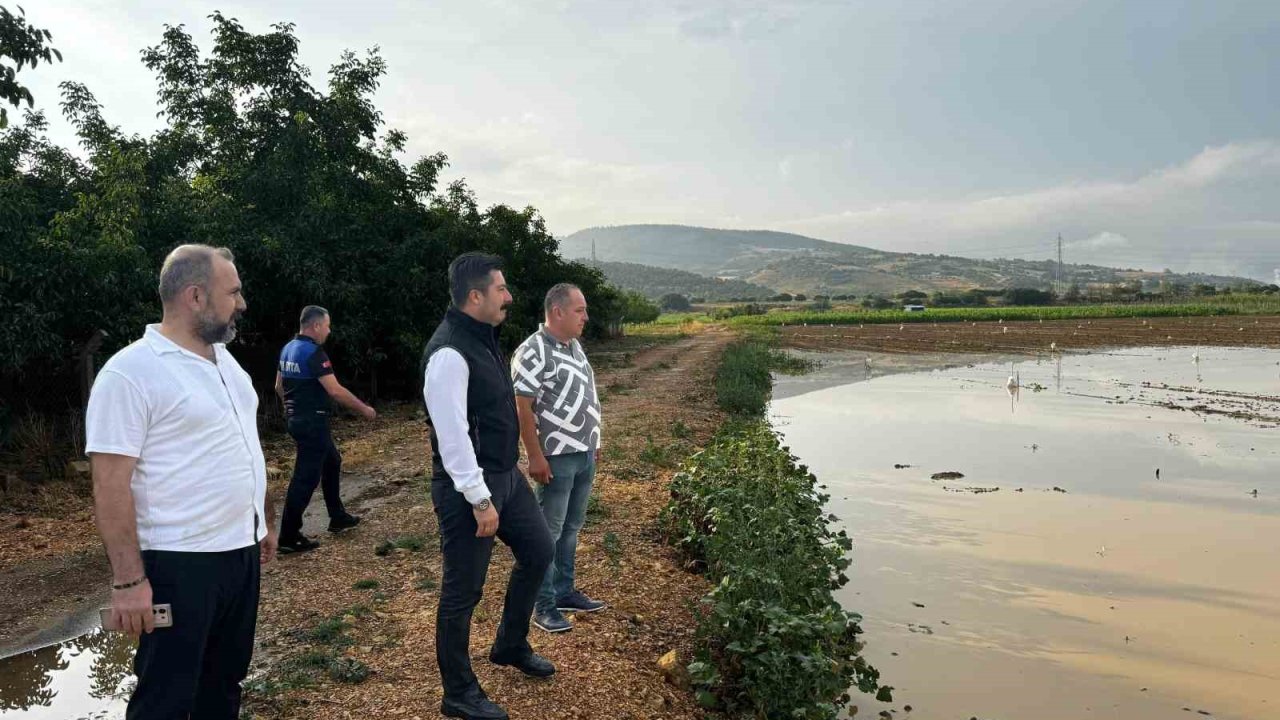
(560, 426)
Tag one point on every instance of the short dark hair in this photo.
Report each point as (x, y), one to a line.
(311, 314)
(471, 271)
(189, 265)
(558, 295)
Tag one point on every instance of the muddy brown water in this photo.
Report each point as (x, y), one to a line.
(1119, 594)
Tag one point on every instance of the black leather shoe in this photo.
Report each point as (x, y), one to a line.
(343, 523)
(531, 664)
(299, 544)
(474, 705)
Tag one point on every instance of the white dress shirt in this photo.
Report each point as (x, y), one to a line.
(445, 391)
(200, 482)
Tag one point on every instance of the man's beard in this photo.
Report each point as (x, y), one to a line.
(211, 331)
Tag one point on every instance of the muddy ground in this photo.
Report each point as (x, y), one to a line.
(1032, 338)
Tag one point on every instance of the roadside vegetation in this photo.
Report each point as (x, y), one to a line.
(772, 641)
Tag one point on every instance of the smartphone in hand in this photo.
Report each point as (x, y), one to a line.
(162, 613)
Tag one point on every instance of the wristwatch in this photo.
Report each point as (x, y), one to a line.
(482, 505)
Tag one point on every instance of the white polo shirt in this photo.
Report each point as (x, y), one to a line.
(201, 479)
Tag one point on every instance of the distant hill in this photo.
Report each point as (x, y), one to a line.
(798, 264)
(716, 253)
(654, 282)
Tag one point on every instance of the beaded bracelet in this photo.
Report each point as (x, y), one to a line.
(126, 586)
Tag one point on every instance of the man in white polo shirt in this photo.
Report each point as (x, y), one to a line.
(179, 485)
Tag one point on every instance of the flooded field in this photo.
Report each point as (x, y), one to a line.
(1110, 550)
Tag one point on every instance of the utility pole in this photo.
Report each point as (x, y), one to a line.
(593, 254)
(1058, 284)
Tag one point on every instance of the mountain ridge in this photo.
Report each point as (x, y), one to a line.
(789, 262)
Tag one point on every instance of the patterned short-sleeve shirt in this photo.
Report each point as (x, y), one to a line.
(563, 387)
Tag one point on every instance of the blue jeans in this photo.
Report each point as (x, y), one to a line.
(564, 505)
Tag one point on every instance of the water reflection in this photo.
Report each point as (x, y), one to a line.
(1084, 586)
(85, 677)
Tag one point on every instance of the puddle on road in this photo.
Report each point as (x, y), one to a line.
(1127, 595)
(86, 678)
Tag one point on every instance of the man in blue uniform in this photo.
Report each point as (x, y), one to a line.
(306, 383)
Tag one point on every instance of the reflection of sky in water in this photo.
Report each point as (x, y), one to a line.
(1067, 434)
(84, 678)
(1058, 605)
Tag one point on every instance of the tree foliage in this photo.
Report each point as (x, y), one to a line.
(306, 186)
(20, 45)
(674, 302)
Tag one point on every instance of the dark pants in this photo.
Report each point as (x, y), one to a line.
(466, 562)
(194, 669)
(318, 463)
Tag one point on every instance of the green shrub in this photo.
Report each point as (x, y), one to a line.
(743, 380)
(772, 640)
(365, 584)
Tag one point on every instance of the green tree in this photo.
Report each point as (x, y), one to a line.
(307, 187)
(20, 45)
(638, 308)
(674, 302)
(1027, 296)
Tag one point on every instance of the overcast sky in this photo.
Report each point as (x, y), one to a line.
(1146, 132)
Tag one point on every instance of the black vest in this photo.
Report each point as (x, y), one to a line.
(492, 421)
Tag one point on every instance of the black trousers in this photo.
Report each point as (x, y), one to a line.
(466, 562)
(194, 669)
(318, 463)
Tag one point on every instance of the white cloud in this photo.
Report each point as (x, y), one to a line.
(1101, 241)
(1216, 211)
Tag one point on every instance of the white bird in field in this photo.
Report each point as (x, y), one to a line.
(902, 327)
(1015, 380)
(1006, 329)
(1195, 357)
(1053, 347)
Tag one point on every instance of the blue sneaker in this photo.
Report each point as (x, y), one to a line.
(550, 620)
(576, 601)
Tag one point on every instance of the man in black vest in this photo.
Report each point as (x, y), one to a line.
(476, 488)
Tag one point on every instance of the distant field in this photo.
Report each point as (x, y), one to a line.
(1234, 305)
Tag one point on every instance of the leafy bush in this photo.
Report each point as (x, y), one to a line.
(637, 308)
(674, 302)
(738, 310)
(772, 640)
(743, 382)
